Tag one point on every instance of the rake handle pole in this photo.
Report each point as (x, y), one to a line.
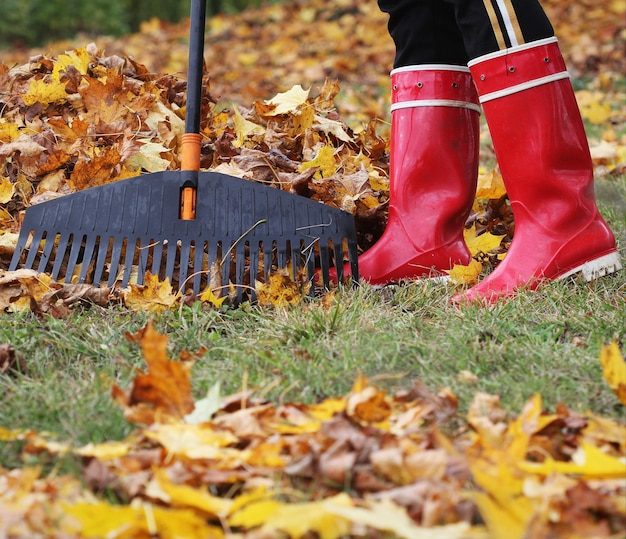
(196, 63)
(190, 159)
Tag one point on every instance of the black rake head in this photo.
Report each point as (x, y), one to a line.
(242, 233)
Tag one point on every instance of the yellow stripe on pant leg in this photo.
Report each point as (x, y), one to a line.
(513, 16)
(495, 24)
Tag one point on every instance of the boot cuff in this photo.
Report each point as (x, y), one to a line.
(432, 82)
(517, 69)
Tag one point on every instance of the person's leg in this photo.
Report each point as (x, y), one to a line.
(424, 32)
(434, 146)
(491, 25)
(541, 147)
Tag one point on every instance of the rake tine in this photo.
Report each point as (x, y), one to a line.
(295, 260)
(56, 269)
(282, 256)
(310, 265)
(77, 243)
(254, 262)
(100, 260)
(157, 254)
(254, 268)
(47, 251)
(34, 249)
(240, 269)
(17, 254)
(184, 264)
(197, 267)
(171, 260)
(354, 256)
(144, 252)
(338, 248)
(267, 259)
(128, 262)
(225, 264)
(212, 259)
(89, 247)
(325, 265)
(115, 260)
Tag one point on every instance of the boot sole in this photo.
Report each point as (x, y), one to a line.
(594, 269)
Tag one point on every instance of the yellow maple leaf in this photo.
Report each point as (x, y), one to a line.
(244, 128)
(288, 101)
(153, 296)
(279, 291)
(209, 297)
(592, 107)
(588, 462)
(328, 408)
(40, 91)
(325, 160)
(596, 112)
(255, 513)
(614, 370)
(298, 518)
(101, 519)
(484, 243)
(490, 185)
(8, 132)
(465, 274)
(104, 451)
(186, 496)
(78, 59)
(53, 90)
(7, 190)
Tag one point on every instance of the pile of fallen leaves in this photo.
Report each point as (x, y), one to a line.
(365, 464)
(88, 117)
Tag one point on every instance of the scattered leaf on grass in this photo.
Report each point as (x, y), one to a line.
(614, 370)
(466, 274)
(153, 296)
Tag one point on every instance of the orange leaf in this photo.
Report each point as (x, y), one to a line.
(165, 390)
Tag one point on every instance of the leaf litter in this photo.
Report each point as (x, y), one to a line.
(368, 463)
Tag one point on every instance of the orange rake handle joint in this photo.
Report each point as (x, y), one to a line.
(190, 161)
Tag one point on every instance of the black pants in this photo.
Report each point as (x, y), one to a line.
(456, 31)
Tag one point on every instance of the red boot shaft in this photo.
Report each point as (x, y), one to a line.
(433, 170)
(542, 150)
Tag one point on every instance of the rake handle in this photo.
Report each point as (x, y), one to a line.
(196, 63)
(190, 155)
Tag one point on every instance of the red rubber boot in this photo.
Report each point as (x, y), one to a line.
(433, 171)
(540, 143)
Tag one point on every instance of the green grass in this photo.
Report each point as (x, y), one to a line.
(546, 342)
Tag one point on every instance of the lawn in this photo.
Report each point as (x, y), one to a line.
(546, 342)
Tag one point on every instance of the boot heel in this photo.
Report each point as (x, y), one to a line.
(594, 269)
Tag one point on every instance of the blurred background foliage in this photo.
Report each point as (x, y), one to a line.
(27, 23)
